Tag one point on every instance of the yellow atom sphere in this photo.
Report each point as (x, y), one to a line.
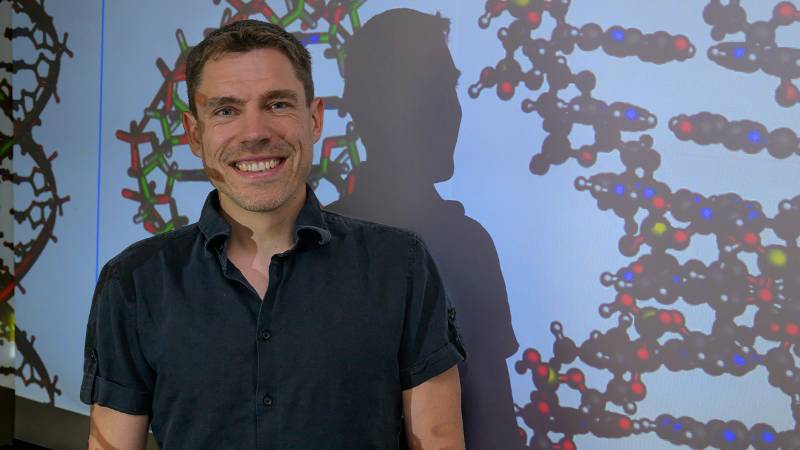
(522, 2)
(777, 257)
(552, 376)
(659, 229)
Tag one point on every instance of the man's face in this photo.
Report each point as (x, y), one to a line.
(254, 130)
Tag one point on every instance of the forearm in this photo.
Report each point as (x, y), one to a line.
(110, 429)
(433, 413)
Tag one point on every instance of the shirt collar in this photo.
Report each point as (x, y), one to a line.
(310, 224)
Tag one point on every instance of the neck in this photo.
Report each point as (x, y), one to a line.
(265, 233)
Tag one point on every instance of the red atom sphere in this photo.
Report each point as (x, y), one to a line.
(677, 317)
(665, 317)
(624, 423)
(567, 444)
(543, 407)
(686, 127)
(750, 239)
(534, 18)
(506, 87)
(542, 370)
(637, 388)
(625, 299)
(765, 295)
(587, 156)
(575, 376)
(786, 9)
(659, 203)
(638, 268)
(532, 356)
(681, 43)
(680, 236)
(791, 92)
(642, 354)
(774, 327)
(792, 329)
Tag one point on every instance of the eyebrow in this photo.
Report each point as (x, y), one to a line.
(285, 94)
(215, 102)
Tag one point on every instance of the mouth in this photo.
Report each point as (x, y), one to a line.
(258, 166)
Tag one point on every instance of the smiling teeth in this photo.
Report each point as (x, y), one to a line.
(259, 166)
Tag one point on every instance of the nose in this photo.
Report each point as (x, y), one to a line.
(255, 128)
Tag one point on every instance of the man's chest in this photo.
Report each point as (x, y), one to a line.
(314, 327)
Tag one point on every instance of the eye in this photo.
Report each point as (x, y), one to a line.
(225, 111)
(279, 105)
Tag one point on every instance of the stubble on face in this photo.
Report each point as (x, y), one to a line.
(258, 203)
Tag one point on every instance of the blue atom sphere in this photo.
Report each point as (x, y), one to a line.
(729, 435)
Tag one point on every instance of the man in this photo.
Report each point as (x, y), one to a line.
(270, 323)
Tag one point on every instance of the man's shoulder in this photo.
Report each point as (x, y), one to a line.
(176, 243)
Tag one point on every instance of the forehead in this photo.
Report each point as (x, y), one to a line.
(252, 71)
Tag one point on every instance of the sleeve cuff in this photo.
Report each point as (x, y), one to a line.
(442, 359)
(106, 393)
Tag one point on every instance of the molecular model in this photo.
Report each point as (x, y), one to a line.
(550, 64)
(158, 134)
(23, 108)
(759, 51)
(651, 332)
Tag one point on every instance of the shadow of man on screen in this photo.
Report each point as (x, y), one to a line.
(400, 89)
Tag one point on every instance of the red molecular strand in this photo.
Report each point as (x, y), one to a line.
(659, 221)
(24, 111)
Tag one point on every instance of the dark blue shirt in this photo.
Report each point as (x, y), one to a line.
(354, 314)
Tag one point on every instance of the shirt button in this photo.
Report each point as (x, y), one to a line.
(265, 335)
(267, 400)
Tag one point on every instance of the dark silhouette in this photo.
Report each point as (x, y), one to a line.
(400, 89)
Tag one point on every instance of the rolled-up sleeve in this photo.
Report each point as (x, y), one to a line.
(116, 374)
(431, 342)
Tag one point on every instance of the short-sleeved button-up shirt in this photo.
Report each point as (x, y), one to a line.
(354, 314)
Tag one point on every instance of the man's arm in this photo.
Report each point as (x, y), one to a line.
(110, 429)
(433, 413)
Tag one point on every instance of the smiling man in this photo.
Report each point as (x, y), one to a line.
(270, 323)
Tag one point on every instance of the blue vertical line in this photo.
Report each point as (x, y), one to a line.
(99, 143)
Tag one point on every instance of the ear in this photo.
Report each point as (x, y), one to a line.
(192, 127)
(317, 117)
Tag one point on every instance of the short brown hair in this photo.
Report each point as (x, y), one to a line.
(242, 36)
